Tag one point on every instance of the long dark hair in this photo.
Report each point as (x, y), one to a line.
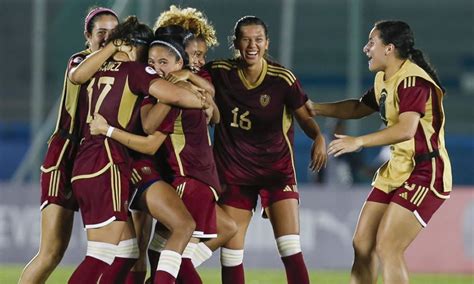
(401, 36)
(132, 32)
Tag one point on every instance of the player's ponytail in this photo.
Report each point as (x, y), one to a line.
(418, 57)
(401, 36)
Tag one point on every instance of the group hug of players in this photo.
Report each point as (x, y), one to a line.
(132, 143)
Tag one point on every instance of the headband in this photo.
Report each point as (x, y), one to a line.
(168, 45)
(94, 12)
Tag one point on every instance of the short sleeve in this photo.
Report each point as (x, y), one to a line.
(369, 99)
(167, 126)
(295, 97)
(140, 77)
(413, 93)
(75, 60)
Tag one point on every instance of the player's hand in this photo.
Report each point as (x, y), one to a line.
(176, 76)
(319, 156)
(209, 111)
(98, 125)
(121, 46)
(344, 144)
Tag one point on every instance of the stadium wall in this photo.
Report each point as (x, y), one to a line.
(328, 217)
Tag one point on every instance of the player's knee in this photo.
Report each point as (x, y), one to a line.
(184, 227)
(387, 249)
(229, 228)
(362, 246)
(52, 255)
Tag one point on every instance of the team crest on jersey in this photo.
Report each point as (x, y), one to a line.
(264, 100)
(150, 70)
(146, 170)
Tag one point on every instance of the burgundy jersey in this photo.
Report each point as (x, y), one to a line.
(187, 149)
(114, 92)
(253, 142)
(65, 132)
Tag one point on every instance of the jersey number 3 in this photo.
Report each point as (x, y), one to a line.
(241, 121)
(108, 82)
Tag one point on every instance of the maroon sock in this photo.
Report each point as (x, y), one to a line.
(296, 272)
(135, 277)
(117, 272)
(89, 271)
(187, 273)
(163, 277)
(233, 274)
(153, 258)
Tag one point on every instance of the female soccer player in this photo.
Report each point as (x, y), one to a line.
(101, 171)
(413, 184)
(253, 146)
(57, 203)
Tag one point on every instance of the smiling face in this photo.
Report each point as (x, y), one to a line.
(201, 52)
(163, 60)
(376, 51)
(103, 25)
(252, 44)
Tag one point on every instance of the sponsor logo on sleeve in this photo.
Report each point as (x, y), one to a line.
(150, 70)
(77, 60)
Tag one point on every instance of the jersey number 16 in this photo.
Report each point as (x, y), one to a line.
(241, 121)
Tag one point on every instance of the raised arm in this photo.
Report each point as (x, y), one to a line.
(91, 64)
(146, 145)
(311, 129)
(173, 94)
(187, 75)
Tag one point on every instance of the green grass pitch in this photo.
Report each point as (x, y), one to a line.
(10, 274)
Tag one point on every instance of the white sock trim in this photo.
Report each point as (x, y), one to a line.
(189, 250)
(170, 261)
(158, 243)
(288, 245)
(101, 251)
(231, 257)
(201, 254)
(128, 249)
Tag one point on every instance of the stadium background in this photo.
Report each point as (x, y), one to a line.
(320, 40)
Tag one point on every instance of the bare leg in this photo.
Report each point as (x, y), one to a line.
(56, 228)
(365, 266)
(226, 229)
(398, 229)
(142, 222)
(162, 202)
